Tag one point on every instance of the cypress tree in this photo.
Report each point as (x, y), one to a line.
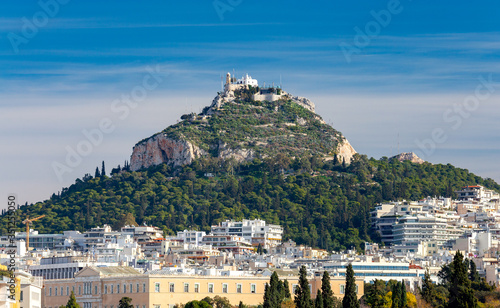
(267, 297)
(97, 173)
(318, 302)
(103, 169)
(273, 292)
(427, 287)
(402, 293)
(286, 289)
(461, 293)
(474, 275)
(302, 292)
(326, 290)
(350, 298)
(396, 296)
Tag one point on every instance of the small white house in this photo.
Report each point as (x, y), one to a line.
(247, 80)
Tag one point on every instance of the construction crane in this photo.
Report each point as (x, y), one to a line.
(27, 222)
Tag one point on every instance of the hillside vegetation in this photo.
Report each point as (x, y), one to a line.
(322, 204)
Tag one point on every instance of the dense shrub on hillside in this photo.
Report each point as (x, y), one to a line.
(320, 204)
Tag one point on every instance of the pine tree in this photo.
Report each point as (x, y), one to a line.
(97, 173)
(461, 293)
(318, 302)
(72, 302)
(350, 298)
(125, 302)
(326, 290)
(103, 169)
(375, 297)
(302, 292)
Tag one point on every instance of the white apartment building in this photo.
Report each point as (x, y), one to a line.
(236, 244)
(191, 236)
(424, 228)
(477, 244)
(31, 290)
(370, 271)
(254, 231)
(5, 299)
(143, 233)
(477, 193)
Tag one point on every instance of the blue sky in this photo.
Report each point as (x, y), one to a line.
(416, 65)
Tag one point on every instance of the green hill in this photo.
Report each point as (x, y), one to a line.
(292, 178)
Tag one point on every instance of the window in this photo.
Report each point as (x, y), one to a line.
(224, 288)
(62, 290)
(294, 288)
(55, 291)
(238, 288)
(186, 287)
(67, 290)
(144, 287)
(171, 287)
(157, 306)
(342, 289)
(106, 289)
(253, 288)
(137, 288)
(73, 289)
(356, 289)
(157, 287)
(131, 290)
(117, 288)
(124, 288)
(21, 296)
(80, 290)
(112, 289)
(210, 288)
(95, 289)
(196, 288)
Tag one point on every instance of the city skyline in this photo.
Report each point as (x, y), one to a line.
(388, 75)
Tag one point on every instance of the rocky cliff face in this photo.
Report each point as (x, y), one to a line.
(162, 149)
(409, 156)
(345, 151)
(235, 126)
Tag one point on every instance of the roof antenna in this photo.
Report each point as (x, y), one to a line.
(398, 145)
